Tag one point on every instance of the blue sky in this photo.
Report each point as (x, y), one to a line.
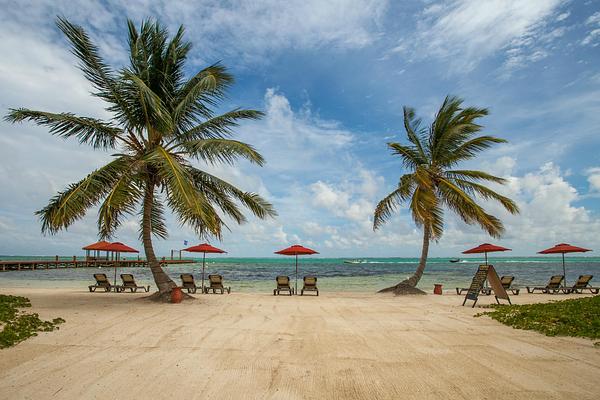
(332, 78)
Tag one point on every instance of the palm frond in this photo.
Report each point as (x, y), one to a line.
(122, 199)
(467, 150)
(215, 151)
(260, 207)
(218, 127)
(487, 194)
(426, 210)
(386, 207)
(87, 130)
(71, 204)
(156, 116)
(95, 70)
(207, 87)
(191, 205)
(452, 126)
(158, 226)
(467, 209)
(175, 56)
(473, 175)
(414, 131)
(409, 154)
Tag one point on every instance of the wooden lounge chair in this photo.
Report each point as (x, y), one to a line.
(283, 284)
(187, 282)
(583, 283)
(554, 285)
(102, 282)
(485, 291)
(129, 283)
(216, 283)
(310, 285)
(506, 282)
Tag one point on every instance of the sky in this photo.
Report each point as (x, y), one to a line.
(332, 78)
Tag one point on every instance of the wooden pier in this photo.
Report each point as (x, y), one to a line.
(28, 265)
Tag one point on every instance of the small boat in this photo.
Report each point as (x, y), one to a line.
(354, 261)
(454, 260)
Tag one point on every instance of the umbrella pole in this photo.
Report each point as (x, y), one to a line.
(486, 263)
(203, 262)
(296, 274)
(564, 270)
(115, 264)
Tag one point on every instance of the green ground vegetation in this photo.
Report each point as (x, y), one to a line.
(18, 325)
(573, 317)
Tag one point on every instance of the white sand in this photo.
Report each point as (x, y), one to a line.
(257, 346)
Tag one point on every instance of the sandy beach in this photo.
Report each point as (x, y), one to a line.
(257, 346)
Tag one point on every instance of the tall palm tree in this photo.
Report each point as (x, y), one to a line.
(160, 122)
(432, 183)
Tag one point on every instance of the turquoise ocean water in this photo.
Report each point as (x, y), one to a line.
(371, 274)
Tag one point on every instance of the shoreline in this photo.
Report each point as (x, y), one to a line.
(339, 345)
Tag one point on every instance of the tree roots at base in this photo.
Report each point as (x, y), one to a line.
(165, 297)
(402, 289)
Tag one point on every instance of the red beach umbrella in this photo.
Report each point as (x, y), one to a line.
(96, 246)
(118, 247)
(296, 250)
(485, 248)
(204, 248)
(563, 248)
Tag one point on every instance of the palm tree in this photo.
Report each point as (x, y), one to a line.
(160, 122)
(433, 184)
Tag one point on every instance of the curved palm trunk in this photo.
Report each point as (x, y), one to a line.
(163, 282)
(409, 286)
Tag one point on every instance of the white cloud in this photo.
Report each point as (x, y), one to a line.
(302, 151)
(563, 16)
(593, 37)
(464, 32)
(252, 30)
(353, 200)
(326, 196)
(593, 178)
(297, 141)
(593, 19)
(549, 213)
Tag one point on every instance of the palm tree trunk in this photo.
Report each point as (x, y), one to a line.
(409, 286)
(163, 282)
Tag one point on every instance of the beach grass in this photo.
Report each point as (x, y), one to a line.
(18, 325)
(573, 317)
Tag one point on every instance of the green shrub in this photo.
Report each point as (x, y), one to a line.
(18, 325)
(573, 317)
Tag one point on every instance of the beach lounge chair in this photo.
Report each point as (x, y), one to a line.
(187, 282)
(283, 284)
(485, 291)
(554, 285)
(583, 283)
(506, 282)
(310, 285)
(102, 282)
(129, 283)
(216, 283)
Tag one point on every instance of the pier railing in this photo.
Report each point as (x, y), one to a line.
(85, 262)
